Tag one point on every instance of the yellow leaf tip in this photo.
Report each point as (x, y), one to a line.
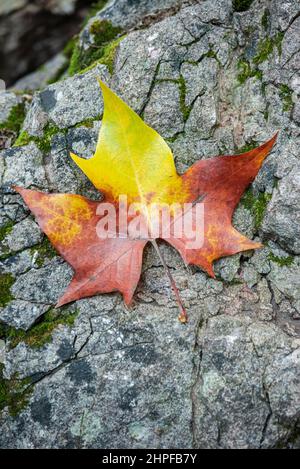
(102, 85)
(75, 157)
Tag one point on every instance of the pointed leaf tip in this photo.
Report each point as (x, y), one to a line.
(76, 159)
(103, 86)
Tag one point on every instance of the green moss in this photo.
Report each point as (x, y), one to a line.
(41, 333)
(241, 5)
(182, 98)
(44, 143)
(104, 29)
(285, 94)
(171, 139)
(282, 261)
(108, 56)
(211, 53)
(23, 139)
(104, 33)
(58, 75)
(278, 42)
(6, 282)
(14, 393)
(15, 119)
(246, 71)
(44, 251)
(247, 147)
(266, 47)
(256, 204)
(265, 19)
(109, 53)
(75, 60)
(4, 232)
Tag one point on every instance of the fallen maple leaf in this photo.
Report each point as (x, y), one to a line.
(132, 159)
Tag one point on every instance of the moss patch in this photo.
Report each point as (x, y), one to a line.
(241, 5)
(15, 119)
(23, 139)
(256, 204)
(266, 47)
(246, 71)
(43, 143)
(247, 147)
(108, 56)
(104, 33)
(109, 53)
(182, 97)
(14, 393)
(6, 282)
(5, 230)
(41, 333)
(44, 251)
(75, 60)
(282, 261)
(285, 94)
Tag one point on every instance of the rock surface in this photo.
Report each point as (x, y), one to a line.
(94, 374)
(32, 32)
(43, 76)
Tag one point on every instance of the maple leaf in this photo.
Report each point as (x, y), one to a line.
(132, 159)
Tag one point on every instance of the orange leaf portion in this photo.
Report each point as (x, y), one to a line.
(221, 182)
(101, 266)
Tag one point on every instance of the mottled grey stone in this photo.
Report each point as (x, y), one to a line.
(23, 235)
(18, 263)
(286, 278)
(68, 102)
(203, 116)
(21, 314)
(24, 167)
(199, 78)
(291, 41)
(167, 120)
(226, 375)
(250, 275)
(284, 11)
(8, 101)
(41, 285)
(125, 14)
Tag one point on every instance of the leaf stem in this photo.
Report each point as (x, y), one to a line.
(183, 315)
